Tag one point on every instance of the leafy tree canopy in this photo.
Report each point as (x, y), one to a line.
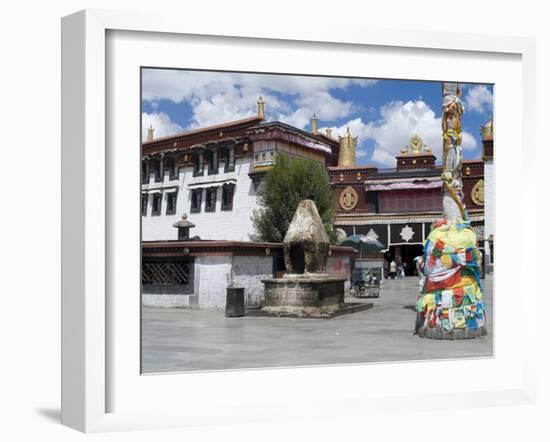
(287, 183)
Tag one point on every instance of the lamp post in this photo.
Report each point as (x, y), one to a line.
(183, 227)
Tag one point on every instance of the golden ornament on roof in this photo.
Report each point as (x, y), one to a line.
(416, 144)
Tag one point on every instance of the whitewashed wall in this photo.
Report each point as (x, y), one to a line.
(212, 275)
(489, 197)
(230, 225)
(248, 272)
(489, 205)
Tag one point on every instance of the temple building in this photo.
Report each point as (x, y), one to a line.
(397, 206)
(212, 174)
(198, 194)
(199, 191)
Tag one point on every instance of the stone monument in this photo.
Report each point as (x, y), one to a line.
(306, 290)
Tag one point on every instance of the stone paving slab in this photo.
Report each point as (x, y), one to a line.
(191, 340)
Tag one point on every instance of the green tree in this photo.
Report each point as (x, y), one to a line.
(287, 183)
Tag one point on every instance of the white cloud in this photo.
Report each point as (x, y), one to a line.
(361, 153)
(180, 85)
(479, 99)
(162, 124)
(323, 104)
(217, 97)
(399, 122)
(468, 141)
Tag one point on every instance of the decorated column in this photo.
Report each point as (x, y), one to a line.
(450, 305)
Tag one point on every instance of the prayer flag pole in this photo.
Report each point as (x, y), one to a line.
(450, 305)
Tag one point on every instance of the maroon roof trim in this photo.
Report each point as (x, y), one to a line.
(236, 124)
(223, 247)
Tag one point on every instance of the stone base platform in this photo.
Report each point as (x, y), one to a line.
(457, 333)
(309, 313)
(306, 296)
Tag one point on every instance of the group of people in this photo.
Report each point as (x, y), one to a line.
(396, 269)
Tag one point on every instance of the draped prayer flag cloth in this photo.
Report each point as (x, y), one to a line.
(452, 293)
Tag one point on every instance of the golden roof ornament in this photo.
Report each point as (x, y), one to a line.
(346, 157)
(415, 146)
(313, 124)
(487, 130)
(261, 108)
(150, 133)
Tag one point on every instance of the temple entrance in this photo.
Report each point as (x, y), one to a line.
(405, 253)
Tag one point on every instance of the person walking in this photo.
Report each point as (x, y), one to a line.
(419, 260)
(400, 270)
(393, 269)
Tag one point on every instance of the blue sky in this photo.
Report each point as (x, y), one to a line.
(383, 114)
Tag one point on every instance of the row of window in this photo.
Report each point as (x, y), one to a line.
(210, 197)
(156, 204)
(159, 169)
(207, 160)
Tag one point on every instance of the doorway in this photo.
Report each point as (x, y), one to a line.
(405, 253)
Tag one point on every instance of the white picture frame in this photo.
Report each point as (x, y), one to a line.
(87, 211)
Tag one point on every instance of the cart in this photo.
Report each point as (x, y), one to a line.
(364, 284)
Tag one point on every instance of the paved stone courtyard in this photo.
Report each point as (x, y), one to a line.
(185, 340)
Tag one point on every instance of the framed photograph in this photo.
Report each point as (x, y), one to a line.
(186, 272)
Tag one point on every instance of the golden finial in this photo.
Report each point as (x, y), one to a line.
(346, 157)
(313, 124)
(150, 132)
(416, 144)
(261, 108)
(487, 130)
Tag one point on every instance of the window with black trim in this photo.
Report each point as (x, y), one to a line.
(170, 167)
(157, 201)
(227, 155)
(144, 172)
(210, 203)
(155, 164)
(144, 202)
(222, 156)
(196, 200)
(211, 161)
(228, 190)
(197, 164)
(171, 200)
